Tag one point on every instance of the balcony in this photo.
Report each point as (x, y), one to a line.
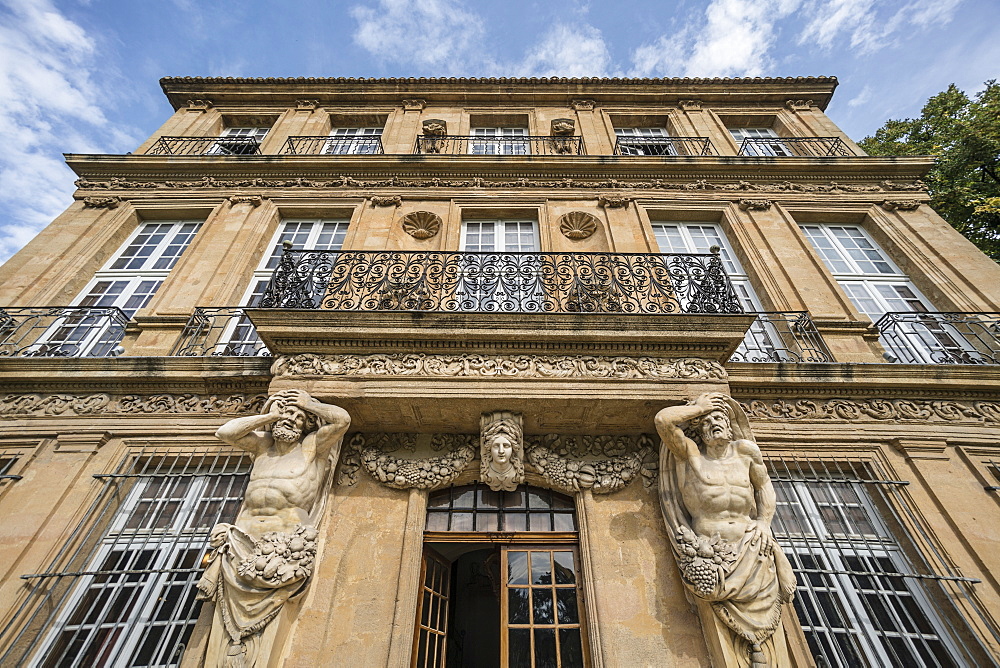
(785, 336)
(205, 146)
(220, 332)
(61, 331)
(802, 147)
(341, 145)
(501, 282)
(500, 145)
(940, 338)
(664, 146)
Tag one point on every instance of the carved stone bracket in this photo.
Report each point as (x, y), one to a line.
(609, 202)
(414, 105)
(388, 200)
(495, 365)
(306, 105)
(901, 205)
(421, 224)
(252, 200)
(583, 105)
(199, 105)
(578, 225)
(102, 202)
(800, 105)
(690, 105)
(755, 204)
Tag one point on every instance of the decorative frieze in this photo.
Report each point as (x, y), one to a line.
(578, 225)
(901, 204)
(609, 202)
(878, 410)
(421, 224)
(583, 105)
(252, 200)
(375, 452)
(349, 182)
(102, 202)
(306, 105)
(689, 105)
(493, 365)
(388, 200)
(755, 204)
(799, 105)
(104, 404)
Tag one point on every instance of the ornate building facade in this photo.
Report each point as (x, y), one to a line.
(426, 372)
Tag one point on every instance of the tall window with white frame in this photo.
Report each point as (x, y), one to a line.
(860, 601)
(126, 594)
(354, 141)
(501, 271)
(644, 141)
(239, 141)
(763, 142)
(499, 141)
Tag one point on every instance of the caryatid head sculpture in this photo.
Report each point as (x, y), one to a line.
(501, 450)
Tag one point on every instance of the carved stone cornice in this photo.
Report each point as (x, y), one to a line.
(306, 105)
(800, 105)
(874, 410)
(755, 204)
(414, 105)
(102, 202)
(385, 200)
(199, 105)
(583, 105)
(689, 105)
(901, 204)
(609, 202)
(252, 200)
(505, 366)
(51, 405)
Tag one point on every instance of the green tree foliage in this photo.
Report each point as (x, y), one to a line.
(964, 135)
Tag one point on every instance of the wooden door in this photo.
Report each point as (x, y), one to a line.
(430, 639)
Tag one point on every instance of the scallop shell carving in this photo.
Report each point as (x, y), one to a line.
(578, 225)
(421, 224)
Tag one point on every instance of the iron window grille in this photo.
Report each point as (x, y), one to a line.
(340, 141)
(807, 147)
(873, 589)
(121, 591)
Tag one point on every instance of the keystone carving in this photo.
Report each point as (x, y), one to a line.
(268, 555)
(613, 202)
(199, 105)
(414, 105)
(800, 105)
(387, 200)
(755, 204)
(306, 105)
(252, 200)
(578, 225)
(501, 450)
(901, 205)
(729, 561)
(583, 105)
(421, 224)
(102, 202)
(689, 105)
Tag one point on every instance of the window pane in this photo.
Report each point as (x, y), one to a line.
(564, 568)
(519, 647)
(570, 648)
(545, 648)
(517, 605)
(566, 604)
(517, 568)
(541, 568)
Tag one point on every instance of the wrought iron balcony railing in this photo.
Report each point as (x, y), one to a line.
(787, 336)
(205, 146)
(808, 147)
(341, 145)
(61, 331)
(491, 145)
(941, 338)
(225, 331)
(664, 146)
(501, 282)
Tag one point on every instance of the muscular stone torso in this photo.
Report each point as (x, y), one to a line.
(718, 495)
(282, 489)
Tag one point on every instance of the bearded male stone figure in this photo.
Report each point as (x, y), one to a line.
(718, 502)
(265, 558)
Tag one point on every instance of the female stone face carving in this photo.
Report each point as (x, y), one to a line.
(501, 448)
(501, 451)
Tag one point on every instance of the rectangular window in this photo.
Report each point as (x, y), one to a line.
(503, 269)
(764, 142)
(239, 141)
(130, 594)
(353, 141)
(644, 141)
(499, 141)
(860, 601)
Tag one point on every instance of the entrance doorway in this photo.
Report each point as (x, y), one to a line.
(492, 597)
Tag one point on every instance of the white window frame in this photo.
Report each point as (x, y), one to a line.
(502, 229)
(777, 148)
(249, 132)
(490, 141)
(352, 141)
(648, 137)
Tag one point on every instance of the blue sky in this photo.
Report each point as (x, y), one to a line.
(81, 76)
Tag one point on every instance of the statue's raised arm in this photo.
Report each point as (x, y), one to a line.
(669, 420)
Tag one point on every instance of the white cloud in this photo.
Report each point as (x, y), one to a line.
(50, 104)
(568, 51)
(861, 98)
(438, 34)
(871, 25)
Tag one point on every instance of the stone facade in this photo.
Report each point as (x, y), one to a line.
(889, 464)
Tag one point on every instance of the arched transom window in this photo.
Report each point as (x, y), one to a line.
(478, 508)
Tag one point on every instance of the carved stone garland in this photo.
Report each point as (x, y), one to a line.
(578, 225)
(421, 224)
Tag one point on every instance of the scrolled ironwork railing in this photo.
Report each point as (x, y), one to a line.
(794, 147)
(338, 145)
(940, 338)
(205, 146)
(61, 331)
(220, 332)
(784, 336)
(664, 146)
(500, 145)
(501, 282)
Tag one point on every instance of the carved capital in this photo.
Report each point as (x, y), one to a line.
(387, 200)
(414, 105)
(755, 204)
(800, 105)
(583, 105)
(689, 105)
(199, 105)
(613, 202)
(306, 105)
(102, 202)
(901, 205)
(252, 200)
